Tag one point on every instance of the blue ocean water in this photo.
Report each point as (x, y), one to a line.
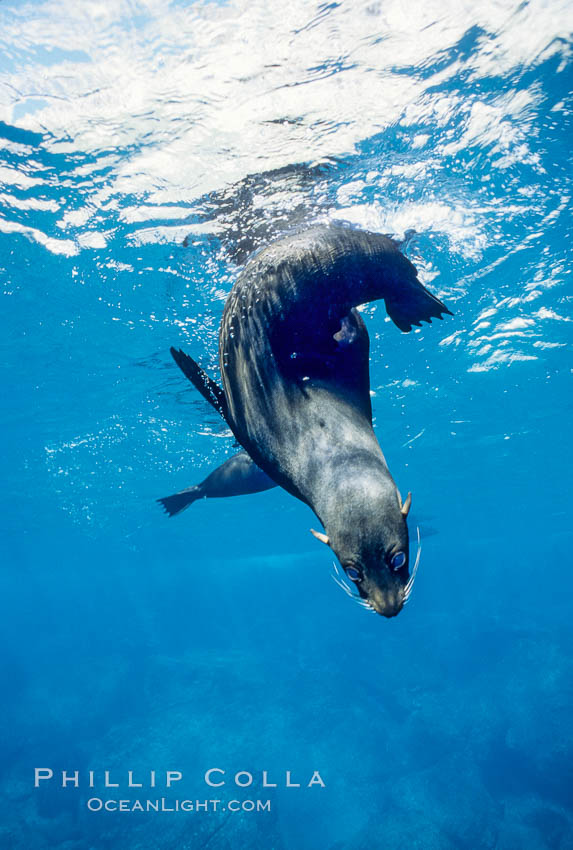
(147, 150)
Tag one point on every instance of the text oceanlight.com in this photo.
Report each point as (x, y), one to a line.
(97, 804)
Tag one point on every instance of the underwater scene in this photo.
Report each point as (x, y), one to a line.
(199, 680)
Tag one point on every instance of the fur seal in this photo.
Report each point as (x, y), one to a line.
(294, 361)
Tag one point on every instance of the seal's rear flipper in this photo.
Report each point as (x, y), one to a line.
(179, 501)
(237, 476)
(411, 304)
(310, 281)
(210, 391)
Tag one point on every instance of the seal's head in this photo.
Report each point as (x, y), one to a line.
(373, 550)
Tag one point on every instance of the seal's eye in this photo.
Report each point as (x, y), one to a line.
(353, 573)
(398, 560)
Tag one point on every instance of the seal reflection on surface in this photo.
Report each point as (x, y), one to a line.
(294, 361)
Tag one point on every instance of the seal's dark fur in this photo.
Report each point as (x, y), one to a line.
(293, 354)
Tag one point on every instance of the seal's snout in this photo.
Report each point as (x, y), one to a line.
(387, 603)
(390, 611)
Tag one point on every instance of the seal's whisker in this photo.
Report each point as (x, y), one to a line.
(410, 583)
(337, 578)
(343, 585)
(336, 568)
(355, 598)
(340, 581)
(364, 603)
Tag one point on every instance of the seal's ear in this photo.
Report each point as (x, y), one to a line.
(320, 536)
(405, 508)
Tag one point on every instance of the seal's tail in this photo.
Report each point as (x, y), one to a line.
(179, 501)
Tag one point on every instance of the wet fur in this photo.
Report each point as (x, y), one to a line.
(294, 360)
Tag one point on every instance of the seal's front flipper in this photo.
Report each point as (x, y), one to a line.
(179, 501)
(238, 476)
(411, 303)
(210, 391)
